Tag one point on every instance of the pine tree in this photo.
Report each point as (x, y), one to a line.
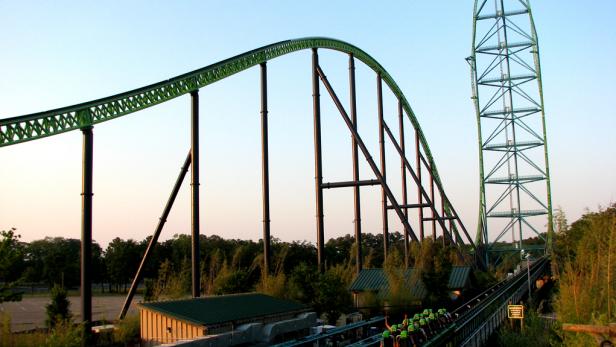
(58, 309)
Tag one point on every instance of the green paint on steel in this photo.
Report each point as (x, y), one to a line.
(224, 308)
(485, 211)
(48, 123)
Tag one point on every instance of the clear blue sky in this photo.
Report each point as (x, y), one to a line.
(64, 52)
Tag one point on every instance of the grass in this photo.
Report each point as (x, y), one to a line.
(68, 334)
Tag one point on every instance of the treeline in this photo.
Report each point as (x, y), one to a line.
(56, 260)
(227, 266)
(585, 262)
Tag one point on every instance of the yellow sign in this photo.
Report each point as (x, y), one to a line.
(515, 311)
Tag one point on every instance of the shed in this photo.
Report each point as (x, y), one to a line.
(188, 319)
(375, 281)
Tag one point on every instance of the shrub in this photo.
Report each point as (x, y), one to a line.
(127, 331)
(58, 309)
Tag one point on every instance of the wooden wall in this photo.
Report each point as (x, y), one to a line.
(157, 328)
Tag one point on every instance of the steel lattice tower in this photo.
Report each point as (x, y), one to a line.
(513, 153)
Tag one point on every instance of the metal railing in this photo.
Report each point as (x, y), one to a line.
(478, 318)
(474, 326)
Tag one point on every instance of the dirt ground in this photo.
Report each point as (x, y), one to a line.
(30, 312)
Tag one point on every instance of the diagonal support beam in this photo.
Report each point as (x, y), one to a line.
(427, 199)
(366, 153)
(453, 211)
(154, 239)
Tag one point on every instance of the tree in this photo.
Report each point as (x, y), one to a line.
(53, 261)
(172, 283)
(11, 264)
(58, 309)
(433, 267)
(302, 282)
(587, 271)
(399, 288)
(122, 259)
(331, 296)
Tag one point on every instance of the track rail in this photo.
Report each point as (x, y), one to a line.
(488, 310)
(479, 317)
(39, 125)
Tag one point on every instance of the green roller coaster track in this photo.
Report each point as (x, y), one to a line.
(48, 123)
(492, 49)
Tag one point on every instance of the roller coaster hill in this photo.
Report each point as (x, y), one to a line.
(504, 110)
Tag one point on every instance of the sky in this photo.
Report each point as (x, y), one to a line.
(61, 53)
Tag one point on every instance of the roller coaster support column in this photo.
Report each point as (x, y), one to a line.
(194, 183)
(432, 199)
(379, 95)
(403, 175)
(356, 197)
(265, 171)
(419, 196)
(366, 153)
(154, 239)
(318, 172)
(86, 233)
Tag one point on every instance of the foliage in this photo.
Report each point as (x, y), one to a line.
(230, 281)
(172, 283)
(332, 297)
(11, 256)
(11, 264)
(399, 297)
(148, 291)
(585, 254)
(302, 282)
(56, 261)
(274, 285)
(534, 333)
(64, 334)
(58, 309)
(433, 266)
(127, 330)
(122, 259)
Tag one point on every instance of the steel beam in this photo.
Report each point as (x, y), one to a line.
(356, 195)
(453, 211)
(407, 206)
(346, 184)
(194, 183)
(414, 176)
(403, 177)
(365, 152)
(265, 172)
(318, 171)
(419, 196)
(379, 100)
(432, 199)
(154, 239)
(86, 232)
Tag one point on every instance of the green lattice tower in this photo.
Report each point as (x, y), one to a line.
(513, 153)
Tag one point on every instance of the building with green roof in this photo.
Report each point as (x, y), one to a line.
(224, 320)
(375, 282)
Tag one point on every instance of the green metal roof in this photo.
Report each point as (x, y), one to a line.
(224, 308)
(376, 280)
(459, 277)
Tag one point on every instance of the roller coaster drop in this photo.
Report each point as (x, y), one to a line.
(85, 115)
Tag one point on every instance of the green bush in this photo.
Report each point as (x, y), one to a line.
(64, 334)
(58, 309)
(127, 331)
(535, 333)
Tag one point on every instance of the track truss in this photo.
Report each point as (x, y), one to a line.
(507, 93)
(86, 115)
